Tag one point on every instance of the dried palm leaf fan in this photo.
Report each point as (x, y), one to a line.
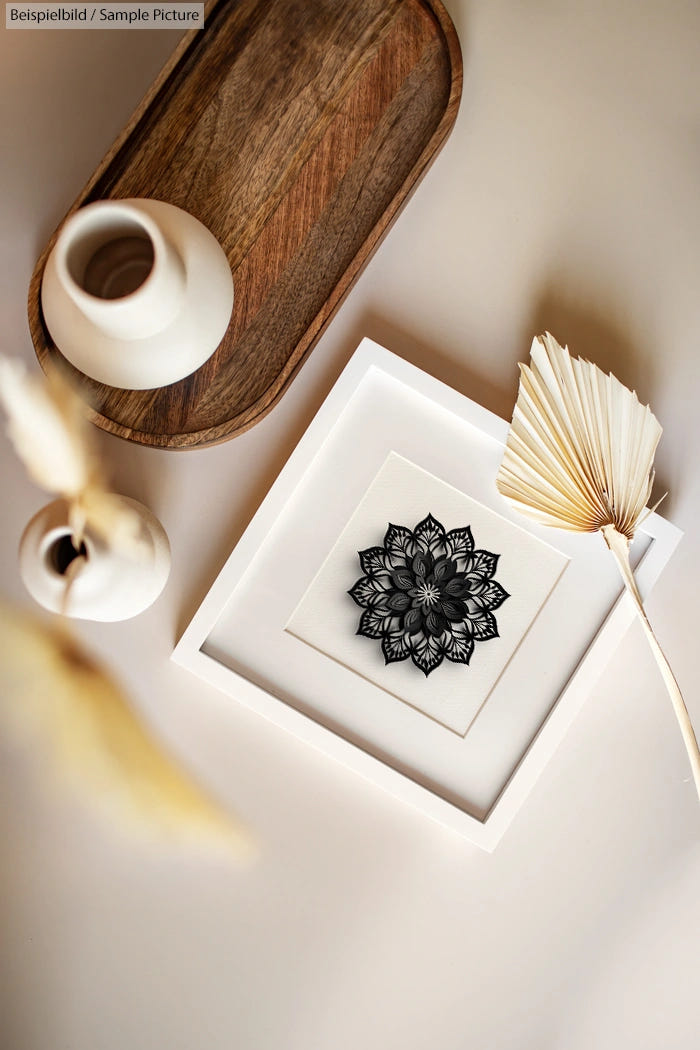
(579, 456)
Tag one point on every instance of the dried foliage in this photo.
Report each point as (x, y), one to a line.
(87, 736)
(52, 437)
(579, 456)
(50, 693)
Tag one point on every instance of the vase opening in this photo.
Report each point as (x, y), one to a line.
(63, 553)
(112, 260)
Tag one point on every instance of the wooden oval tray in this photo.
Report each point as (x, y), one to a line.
(295, 131)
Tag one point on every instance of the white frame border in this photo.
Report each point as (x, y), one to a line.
(188, 652)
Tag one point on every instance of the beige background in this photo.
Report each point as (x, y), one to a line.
(566, 198)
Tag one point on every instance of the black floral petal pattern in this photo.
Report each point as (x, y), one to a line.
(427, 594)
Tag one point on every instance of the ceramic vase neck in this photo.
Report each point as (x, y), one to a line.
(120, 270)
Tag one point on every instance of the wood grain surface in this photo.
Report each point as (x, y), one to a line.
(295, 131)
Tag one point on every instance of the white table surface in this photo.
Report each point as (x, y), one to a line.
(566, 198)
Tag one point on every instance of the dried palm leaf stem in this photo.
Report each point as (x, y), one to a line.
(619, 546)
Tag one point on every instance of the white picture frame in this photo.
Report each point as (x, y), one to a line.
(237, 640)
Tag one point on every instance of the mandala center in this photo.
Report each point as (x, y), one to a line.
(428, 593)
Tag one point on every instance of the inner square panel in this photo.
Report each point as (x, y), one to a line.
(452, 692)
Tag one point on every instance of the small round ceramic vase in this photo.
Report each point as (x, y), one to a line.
(110, 586)
(136, 293)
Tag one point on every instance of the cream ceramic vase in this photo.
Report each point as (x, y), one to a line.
(110, 585)
(136, 293)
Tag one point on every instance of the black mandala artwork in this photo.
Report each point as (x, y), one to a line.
(427, 594)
